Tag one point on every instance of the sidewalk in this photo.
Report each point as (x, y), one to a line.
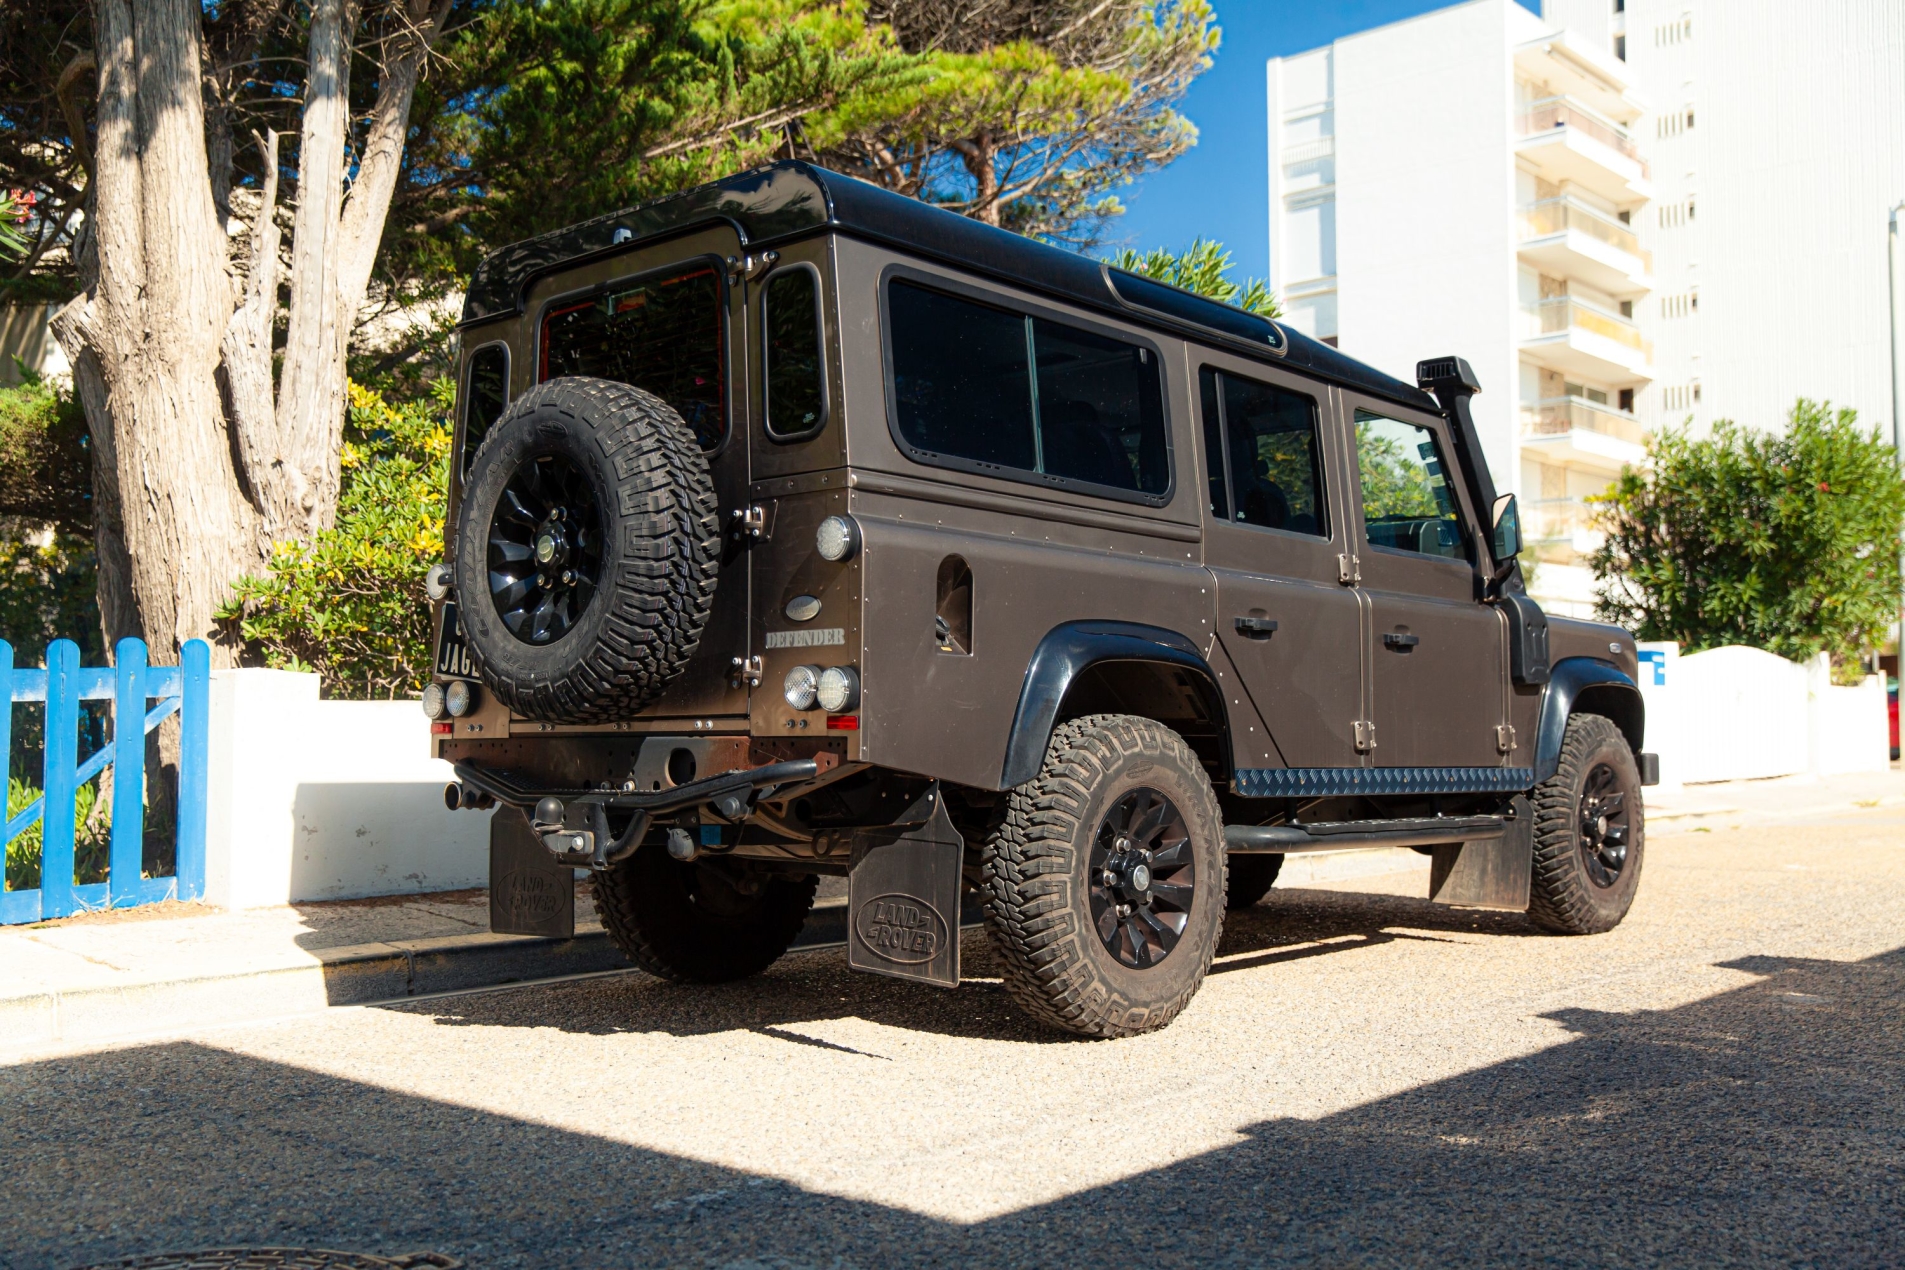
(177, 966)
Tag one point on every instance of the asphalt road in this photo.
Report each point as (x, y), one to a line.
(1365, 1080)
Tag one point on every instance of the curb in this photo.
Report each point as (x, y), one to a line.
(358, 974)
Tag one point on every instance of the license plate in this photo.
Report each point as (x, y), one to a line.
(453, 655)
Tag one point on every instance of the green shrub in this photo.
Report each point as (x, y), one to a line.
(1783, 541)
(351, 605)
(92, 843)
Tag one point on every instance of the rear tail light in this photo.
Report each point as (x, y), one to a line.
(441, 728)
(843, 723)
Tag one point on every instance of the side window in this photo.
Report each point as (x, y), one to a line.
(1001, 390)
(1266, 439)
(485, 393)
(796, 399)
(662, 335)
(1407, 502)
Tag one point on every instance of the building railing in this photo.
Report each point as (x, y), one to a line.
(130, 685)
(1548, 113)
(1553, 416)
(1558, 215)
(1553, 520)
(1561, 313)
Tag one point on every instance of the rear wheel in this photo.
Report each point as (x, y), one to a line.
(1104, 879)
(710, 921)
(1251, 877)
(1590, 832)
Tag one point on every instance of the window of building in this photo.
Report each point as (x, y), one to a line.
(485, 393)
(796, 393)
(663, 335)
(1013, 395)
(1620, 47)
(1264, 440)
(1407, 502)
(1627, 400)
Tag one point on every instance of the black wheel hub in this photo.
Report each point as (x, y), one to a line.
(545, 549)
(1603, 825)
(1143, 878)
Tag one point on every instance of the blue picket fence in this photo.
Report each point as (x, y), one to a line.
(132, 686)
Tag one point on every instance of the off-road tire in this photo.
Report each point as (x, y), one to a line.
(686, 923)
(1563, 897)
(1035, 888)
(660, 554)
(1252, 874)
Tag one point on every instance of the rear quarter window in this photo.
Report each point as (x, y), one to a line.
(983, 387)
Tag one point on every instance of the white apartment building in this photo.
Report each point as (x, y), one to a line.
(1611, 241)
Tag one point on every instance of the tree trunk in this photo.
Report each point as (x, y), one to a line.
(152, 321)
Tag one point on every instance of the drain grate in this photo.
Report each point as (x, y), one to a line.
(279, 1259)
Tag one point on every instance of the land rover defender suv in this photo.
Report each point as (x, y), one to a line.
(799, 529)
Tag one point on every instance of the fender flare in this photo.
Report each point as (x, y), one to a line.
(1578, 681)
(1070, 649)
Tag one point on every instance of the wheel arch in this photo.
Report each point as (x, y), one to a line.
(1092, 667)
(1586, 685)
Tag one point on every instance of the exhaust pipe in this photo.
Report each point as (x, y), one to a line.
(460, 797)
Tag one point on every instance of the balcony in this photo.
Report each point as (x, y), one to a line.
(1572, 431)
(1571, 142)
(1566, 238)
(1561, 530)
(1569, 335)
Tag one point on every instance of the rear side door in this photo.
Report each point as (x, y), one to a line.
(1436, 653)
(672, 320)
(1286, 617)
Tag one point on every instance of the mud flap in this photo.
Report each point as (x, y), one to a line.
(529, 893)
(903, 896)
(1494, 874)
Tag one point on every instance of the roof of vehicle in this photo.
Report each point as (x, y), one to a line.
(791, 199)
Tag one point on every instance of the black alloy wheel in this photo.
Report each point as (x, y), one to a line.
(1143, 878)
(545, 549)
(1603, 826)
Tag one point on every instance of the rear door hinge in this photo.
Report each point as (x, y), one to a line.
(1365, 736)
(1505, 738)
(747, 670)
(750, 521)
(1349, 569)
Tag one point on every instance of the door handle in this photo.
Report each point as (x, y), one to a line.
(1401, 643)
(1257, 627)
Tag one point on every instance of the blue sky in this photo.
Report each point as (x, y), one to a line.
(1218, 190)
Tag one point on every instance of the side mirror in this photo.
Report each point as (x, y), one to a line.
(1507, 540)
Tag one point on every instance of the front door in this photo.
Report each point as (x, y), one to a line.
(1288, 622)
(1436, 653)
(672, 320)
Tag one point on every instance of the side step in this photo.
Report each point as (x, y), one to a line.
(1348, 835)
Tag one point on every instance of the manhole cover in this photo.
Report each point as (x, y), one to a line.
(279, 1259)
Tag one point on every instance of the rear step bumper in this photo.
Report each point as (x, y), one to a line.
(1350, 835)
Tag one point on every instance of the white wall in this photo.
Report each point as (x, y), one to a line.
(322, 800)
(1745, 714)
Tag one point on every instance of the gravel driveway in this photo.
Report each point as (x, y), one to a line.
(1366, 1079)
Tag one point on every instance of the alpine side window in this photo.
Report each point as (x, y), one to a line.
(485, 393)
(1264, 440)
(1025, 397)
(1407, 502)
(663, 335)
(790, 319)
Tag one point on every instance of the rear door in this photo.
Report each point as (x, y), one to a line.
(1287, 620)
(672, 320)
(1436, 653)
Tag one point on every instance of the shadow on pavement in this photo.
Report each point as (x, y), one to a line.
(1762, 1126)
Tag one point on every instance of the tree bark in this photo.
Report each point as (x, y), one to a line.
(152, 321)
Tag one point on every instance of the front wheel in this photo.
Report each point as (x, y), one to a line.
(1590, 832)
(709, 921)
(1104, 879)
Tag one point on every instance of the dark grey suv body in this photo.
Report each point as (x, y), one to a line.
(1052, 493)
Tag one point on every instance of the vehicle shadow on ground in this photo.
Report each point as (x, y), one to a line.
(1761, 1126)
(812, 987)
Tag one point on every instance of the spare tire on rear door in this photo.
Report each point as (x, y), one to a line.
(587, 548)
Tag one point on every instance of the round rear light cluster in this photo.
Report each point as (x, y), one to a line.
(801, 687)
(834, 689)
(433, 700)
(837, 538)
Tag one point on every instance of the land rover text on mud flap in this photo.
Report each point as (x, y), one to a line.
(798, 528)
